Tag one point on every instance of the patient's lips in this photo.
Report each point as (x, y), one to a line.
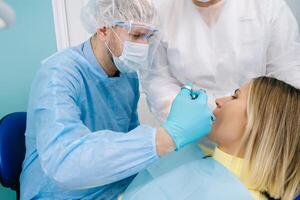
(216, 112)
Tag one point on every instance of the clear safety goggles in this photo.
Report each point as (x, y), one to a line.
(138, 30)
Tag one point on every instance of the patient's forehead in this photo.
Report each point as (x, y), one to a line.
(244, 89)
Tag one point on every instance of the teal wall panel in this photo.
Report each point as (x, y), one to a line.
(22, 47)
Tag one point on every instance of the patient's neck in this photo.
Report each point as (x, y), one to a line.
(233, 150)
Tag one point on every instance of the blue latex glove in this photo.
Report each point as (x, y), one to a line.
(189, 119)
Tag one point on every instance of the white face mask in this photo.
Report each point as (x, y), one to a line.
(134, 57)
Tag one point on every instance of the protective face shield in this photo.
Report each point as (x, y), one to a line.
(136, 56)
(7, 15)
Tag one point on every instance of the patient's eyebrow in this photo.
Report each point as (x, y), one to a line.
(237, 91)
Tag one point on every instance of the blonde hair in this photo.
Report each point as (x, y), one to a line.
(272, 138)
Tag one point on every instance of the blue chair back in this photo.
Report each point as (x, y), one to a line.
(12, 149)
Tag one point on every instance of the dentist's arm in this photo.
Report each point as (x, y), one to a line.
(69, 151)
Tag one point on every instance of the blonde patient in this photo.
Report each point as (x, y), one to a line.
(257, 132)
(261, 124)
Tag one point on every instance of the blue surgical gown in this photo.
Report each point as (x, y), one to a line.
(83, 138)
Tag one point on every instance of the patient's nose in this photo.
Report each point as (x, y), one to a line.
(218, 103)
(221, 101)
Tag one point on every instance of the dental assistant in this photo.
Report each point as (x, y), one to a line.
(83, 137)
(218, 45)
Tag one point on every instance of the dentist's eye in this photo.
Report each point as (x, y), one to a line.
(136, 36)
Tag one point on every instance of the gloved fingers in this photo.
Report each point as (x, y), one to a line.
(201, 96)
(186, 90)
(194, 95)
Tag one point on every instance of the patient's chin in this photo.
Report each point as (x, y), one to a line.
(212, 134)
(215, 133)
(211, 137)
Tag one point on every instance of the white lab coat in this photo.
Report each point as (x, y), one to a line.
(251, 38)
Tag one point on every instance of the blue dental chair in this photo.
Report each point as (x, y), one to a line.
(12, 150)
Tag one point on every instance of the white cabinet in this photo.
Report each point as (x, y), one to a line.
(70, 32)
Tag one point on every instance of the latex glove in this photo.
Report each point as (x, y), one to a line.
(189, 119)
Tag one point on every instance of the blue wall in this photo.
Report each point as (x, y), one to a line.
(22, 47)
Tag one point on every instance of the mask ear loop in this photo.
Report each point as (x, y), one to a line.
(116, 35)
(109, 49)
(106, 44)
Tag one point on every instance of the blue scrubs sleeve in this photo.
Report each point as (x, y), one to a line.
(70, 154)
